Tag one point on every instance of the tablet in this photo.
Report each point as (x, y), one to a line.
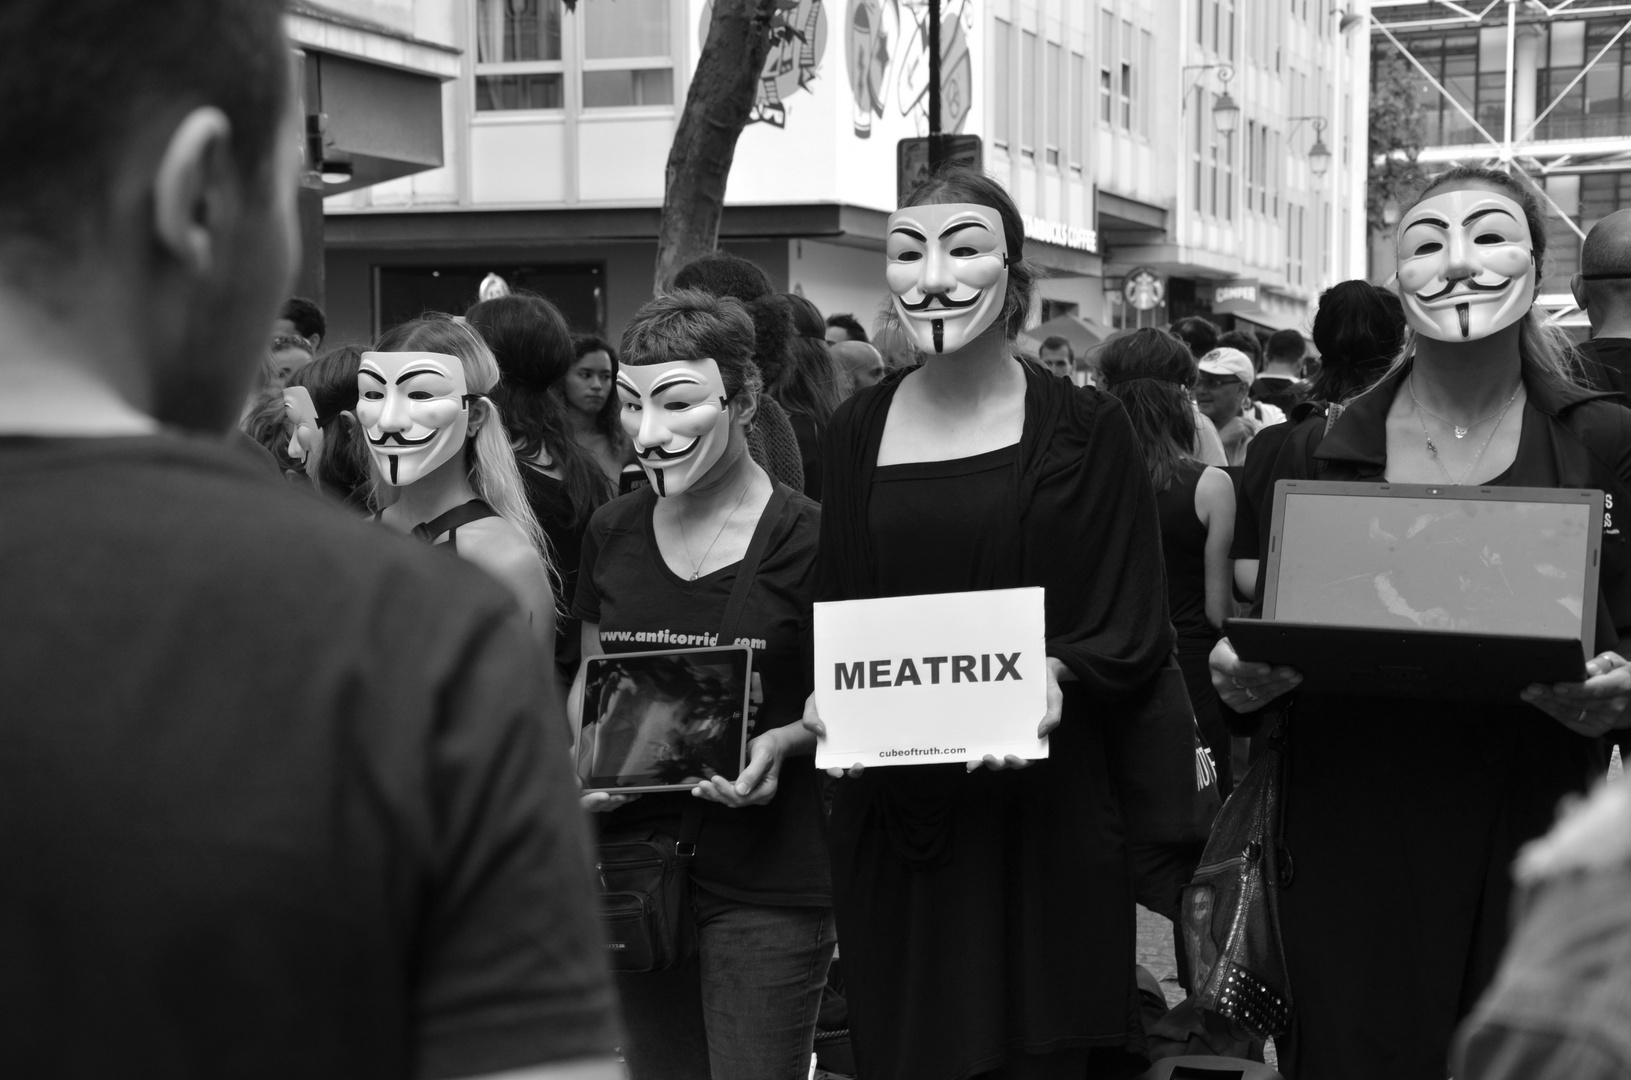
(664, 721)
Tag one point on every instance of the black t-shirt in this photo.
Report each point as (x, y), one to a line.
(281, 793)
(1608, 363)
(769, 854)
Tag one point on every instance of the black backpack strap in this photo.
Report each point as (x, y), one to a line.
(685, 844)
(748, 568)
(464, 514)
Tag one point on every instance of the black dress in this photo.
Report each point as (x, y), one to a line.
(1183, 546)
(987, 917)
(1403, 816)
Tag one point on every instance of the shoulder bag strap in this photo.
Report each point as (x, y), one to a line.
(748, 568)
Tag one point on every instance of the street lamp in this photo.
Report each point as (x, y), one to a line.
(1226, 111)
(1319, 155)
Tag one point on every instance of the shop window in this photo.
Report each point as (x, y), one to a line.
(518, 55)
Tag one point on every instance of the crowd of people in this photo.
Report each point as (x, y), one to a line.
(299, 632)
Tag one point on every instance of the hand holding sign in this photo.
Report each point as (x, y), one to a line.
(933, 679)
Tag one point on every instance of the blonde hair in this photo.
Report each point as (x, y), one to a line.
(493, 473)
(1545, 350)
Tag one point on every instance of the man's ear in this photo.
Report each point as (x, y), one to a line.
(190, 185)
(746, 407)
(1577, 286)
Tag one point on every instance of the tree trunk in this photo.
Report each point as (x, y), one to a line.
(717, 107)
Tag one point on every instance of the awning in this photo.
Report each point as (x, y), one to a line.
(1083, 334)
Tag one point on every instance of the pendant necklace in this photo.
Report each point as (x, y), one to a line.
(1461, 432)
(696, 566)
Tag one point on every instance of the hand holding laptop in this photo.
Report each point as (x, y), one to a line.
(1591, 708)
(1246, 686)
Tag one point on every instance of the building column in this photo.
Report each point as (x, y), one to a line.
(1525, 59)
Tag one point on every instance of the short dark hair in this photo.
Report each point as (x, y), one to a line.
(533, 348)
(1201, 335)
(849, 324)
(1358, 329)
(963, 184)
(722, 274)
(1287, 345)
(1057, 342)
(1246, 342)
(307, 317)
(688, 324)
(584, 344)
(81, 75)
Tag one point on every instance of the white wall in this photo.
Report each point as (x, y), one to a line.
(836, 277)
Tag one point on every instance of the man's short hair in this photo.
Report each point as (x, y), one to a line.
(1246, 342)
(1201, 335)
(307, 317)
(849, 324)
(80, 76)
(1286, 345)
(1057, 342)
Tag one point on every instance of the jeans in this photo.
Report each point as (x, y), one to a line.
(743, 1008)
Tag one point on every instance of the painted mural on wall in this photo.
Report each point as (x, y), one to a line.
(886, 55)
(799, 40)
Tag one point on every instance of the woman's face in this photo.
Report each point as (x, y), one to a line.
(589, 382)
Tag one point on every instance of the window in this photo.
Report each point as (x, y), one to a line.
(1126, 120)
(1107, 63)
(1027, 94)
(1146, 64)
(1200, 22)
(518, 55)
(1197, 164)
(627, 54)
(1215, 18)
(1078, 88)
(1227, 29)
(1212, 159)
(1055, 103)
(1002, 98)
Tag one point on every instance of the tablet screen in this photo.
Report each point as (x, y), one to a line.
(663, 720)
(1473, 565)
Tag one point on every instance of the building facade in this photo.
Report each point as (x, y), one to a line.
(1101, 118)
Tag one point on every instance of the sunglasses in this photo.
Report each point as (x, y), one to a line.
(286, 341)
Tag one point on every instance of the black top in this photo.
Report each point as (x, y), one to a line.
(1282, 391)
(809, 440)
(945, 500)
(552, 505)
(770, 854)
(986, 913)
(1608, 364)
(1449, 791)
(275, 797)
(1183, 546)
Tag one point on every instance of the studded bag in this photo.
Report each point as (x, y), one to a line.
(1231, 913)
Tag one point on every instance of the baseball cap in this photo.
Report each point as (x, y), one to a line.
(1229, 362)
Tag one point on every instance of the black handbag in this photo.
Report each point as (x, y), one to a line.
(645, 875)
(1231, 913)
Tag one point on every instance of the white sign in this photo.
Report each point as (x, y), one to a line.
(916, 680)
(1079, 237)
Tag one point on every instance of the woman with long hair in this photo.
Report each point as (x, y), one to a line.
(810, 387)
(565, 482)
(443, 467)
(1403, 815)
(336, 454)
(590, 406)
(663, 562)
(986, 909)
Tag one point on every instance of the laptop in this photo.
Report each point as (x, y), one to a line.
(1412, 590)
(664, 720)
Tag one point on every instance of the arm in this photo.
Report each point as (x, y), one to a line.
(1215, 506)
(499, 548)
(1210, 449)
(605, 1068)
(1246, 577)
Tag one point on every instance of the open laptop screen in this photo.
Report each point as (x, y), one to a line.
(1391, 561)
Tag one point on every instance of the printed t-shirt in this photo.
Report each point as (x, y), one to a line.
(280, 792)
(770, 854)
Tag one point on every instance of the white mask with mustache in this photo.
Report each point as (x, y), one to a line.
(948, 269)
(415, 410)
(678, 417)
(1466, 265)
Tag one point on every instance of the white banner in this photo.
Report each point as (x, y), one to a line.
(915, 680)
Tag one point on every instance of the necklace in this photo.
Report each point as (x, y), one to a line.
(696, 564)
(1460, 432)
(1498, 417)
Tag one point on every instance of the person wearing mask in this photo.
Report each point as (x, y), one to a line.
(860, 362)
(666, 558)
(564, 482)
(844, 327)
(443, 467)
(986, 910)
(1398, 911)
(331, 449)
(1602, 288)
(1223, 394)
(771, 440)
(1280, 382)
(281, 794)
(810, 387)
(1057, 357)
(591, 406)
